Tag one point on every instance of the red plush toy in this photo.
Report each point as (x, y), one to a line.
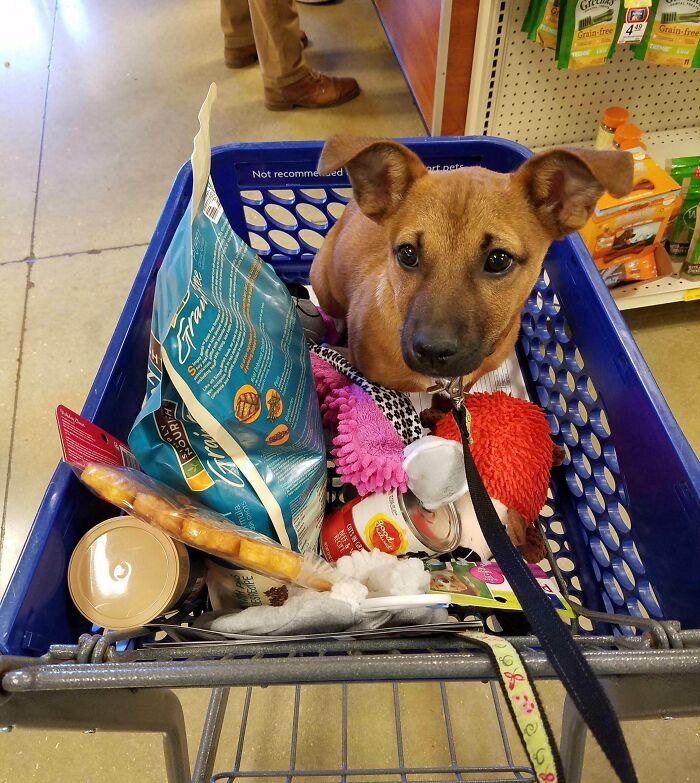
(514, 454)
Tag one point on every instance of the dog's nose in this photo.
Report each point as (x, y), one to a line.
(434, 350)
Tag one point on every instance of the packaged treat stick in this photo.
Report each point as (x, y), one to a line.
(691, 265)
(587, 32)
(532, 11)
(545, 24)
(194, 525)
(673, 35)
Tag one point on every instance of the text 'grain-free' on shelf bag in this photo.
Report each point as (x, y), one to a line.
(588, 30)
(231, 416)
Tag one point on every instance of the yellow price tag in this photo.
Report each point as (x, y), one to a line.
(692, 294)
(637, 3)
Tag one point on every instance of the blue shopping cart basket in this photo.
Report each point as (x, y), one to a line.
(623, 516)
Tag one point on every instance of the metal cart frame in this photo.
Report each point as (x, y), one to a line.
(93, 686)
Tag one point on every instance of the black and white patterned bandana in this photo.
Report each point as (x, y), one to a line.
(395, 405)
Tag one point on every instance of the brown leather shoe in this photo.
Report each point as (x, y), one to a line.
(242, 56)
(313, 91)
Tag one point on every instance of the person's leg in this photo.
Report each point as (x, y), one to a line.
(276, 30)
(239, 42)
(287, 80)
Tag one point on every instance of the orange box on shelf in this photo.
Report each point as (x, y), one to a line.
(647, 264)
(620, 226)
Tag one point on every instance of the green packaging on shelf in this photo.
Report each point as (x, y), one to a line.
(530, 15)
(691, 265)
(686, 172)
(672, 36)
(588, 30)
(542, 21)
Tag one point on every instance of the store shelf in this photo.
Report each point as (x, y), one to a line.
(673, 143)
(660, 145)
(656, 292)
(517, 92)
(663, 145)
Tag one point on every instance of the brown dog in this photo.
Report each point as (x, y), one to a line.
(431, 270)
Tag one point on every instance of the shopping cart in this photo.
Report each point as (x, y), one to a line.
(622, 519)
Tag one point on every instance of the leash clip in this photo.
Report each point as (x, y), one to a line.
(454, 388)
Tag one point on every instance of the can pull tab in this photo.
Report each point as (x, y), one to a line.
(454, 387)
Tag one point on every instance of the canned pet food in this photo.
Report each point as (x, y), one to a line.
(392, 522)
(124, 573)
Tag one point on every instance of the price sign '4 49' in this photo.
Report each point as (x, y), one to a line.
(634, 26)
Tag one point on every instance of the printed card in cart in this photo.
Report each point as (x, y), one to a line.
(483, 585)
(83, 442)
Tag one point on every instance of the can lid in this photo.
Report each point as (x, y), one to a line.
(628, 133)
(614, 116)
(440, 530)
(124, 573)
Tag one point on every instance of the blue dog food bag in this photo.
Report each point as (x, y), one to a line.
(231, 415)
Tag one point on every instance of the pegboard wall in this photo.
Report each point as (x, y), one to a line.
(525, 96)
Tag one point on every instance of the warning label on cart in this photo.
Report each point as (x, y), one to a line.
(285, 174)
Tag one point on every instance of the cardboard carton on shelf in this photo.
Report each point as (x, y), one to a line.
(622, 228)
(648, 264)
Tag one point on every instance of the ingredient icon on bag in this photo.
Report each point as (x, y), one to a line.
(278, 436)
(273, 401)
(246, 404)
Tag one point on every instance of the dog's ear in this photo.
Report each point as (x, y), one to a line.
(564, 184)
(381, 171)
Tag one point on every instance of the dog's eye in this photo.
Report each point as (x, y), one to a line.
(498, 262)
(407, 256)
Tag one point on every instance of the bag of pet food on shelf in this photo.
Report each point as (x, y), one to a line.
(686, 172)
(691, 265)
(544, 24)
(231, 416)
(672, 36)
(588, 30)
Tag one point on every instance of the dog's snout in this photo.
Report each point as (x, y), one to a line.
(442, 350)
(434, 350)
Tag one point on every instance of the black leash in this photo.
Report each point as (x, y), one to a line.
(556, 640)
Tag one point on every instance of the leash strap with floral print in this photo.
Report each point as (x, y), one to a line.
(555, 638)
(524, 704)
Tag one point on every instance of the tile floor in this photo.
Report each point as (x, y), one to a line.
(97, 110)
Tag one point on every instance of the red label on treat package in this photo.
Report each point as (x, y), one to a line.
(83, 442)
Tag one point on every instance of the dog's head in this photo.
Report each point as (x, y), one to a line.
(464, 247)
